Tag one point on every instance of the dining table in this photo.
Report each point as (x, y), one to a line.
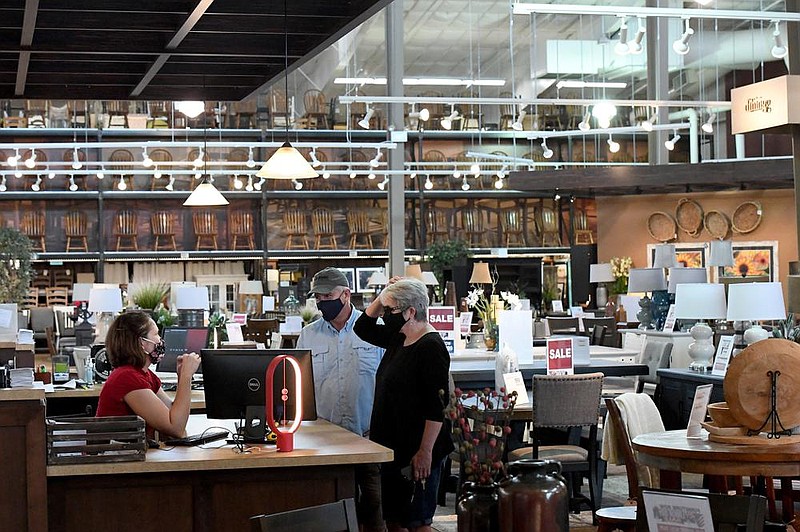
(673, 453)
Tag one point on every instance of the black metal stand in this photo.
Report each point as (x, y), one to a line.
(773, 420)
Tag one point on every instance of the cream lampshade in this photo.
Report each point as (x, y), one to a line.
(701, 301)
(377, 279)
(480, 274)
(686, 276)
(646, 280)
(720, 253)
(251, 287)
(191, 302)
(601, 273)
(415, 271)
(753, 302)
(273, 276)
(105, 303)
(429, 278)
(250, 297)
(665, 256)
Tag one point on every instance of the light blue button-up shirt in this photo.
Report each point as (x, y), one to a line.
(344, 373)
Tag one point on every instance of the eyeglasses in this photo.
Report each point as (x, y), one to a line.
(392, 310)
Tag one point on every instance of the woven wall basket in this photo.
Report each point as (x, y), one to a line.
(746, 217)
(662, 226)
(689, 216)
(717, 224)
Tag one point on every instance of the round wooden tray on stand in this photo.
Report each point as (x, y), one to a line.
(689, 216)
(748, 387)
(662, 226)
(717, 224)
(746, 217)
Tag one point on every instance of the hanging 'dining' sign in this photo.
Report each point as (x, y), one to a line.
(559, 356)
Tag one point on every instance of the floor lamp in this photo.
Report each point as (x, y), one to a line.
(751, 302)
(646, 280)
(700, 301)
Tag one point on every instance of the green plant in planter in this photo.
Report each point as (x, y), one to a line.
(163, 318)
(787, 329)
(441, 255)
(15, 266)
(149, 296)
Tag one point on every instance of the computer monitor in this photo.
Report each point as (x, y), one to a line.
(235, 382)
(180, 340)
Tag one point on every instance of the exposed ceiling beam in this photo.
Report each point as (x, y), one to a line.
(28, 27)
(177, 39)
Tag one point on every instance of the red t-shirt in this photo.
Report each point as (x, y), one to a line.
(122, 381)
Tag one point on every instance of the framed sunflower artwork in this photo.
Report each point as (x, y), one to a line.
(752, 261)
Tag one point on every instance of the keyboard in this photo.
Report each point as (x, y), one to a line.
(198, 439)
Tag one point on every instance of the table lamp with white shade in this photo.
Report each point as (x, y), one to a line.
(700, 301)
(191, 302)
(720, 253)
(646, 280)
(664, 256)
(414, 271)
(105, 303)
(601, 273)
(250, 293)
(686, 276)
(430, 280)
(751, 302)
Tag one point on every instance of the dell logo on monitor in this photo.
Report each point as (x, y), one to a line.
(253, 384)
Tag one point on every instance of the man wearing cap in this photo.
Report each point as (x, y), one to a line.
(344, 378)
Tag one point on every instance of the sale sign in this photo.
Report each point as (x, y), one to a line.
(443, 319)
(559, 356)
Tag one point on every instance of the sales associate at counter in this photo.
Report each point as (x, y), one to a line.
(407, 413)
(132, 345)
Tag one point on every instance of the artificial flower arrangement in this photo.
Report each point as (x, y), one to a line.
(480, 425)
(487, 307)
(620, 269)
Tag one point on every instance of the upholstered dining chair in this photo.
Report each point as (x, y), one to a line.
(162, 225)
(75, 229)
(656, 356)
(358, 226)
(294, 221)
(324, 230)
(32, 225)
(570, 403)
(205, 230)
(241, 226)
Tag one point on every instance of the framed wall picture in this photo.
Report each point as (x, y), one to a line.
(350, 274)
(362, 277)
(688, 255)
(753, 262)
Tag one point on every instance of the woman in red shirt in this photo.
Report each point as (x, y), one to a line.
(133, 344)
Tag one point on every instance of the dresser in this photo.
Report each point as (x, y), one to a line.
(675, 394)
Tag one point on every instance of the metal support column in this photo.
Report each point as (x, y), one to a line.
(396, 158)
(792, 36)
(658, 82)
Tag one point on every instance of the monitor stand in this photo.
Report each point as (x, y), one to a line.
(254, 429)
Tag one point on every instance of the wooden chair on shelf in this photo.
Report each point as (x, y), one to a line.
(75, 229)
(277, 109)
(358, 110)
(551, 395)
(32, 225)
(433, 156)
(437, 226)
(296, 228)
(435, 110)
(322, 223)
(473, 225)
(513, 228)
(31, 298)
(121, 165)
(117, 114)
(508, 112)
(583, 235)
(205, 230)
(162, 225)
(316, 105)
(242, 227)
(358, 226)
(237, 155)
(260, 330)
(337, 516)
(36, 110)
(62, 277)
(126, 231)
(58, 114)
(551, 235)
(159, 155)
(159, 115)
(56, 295)
(70, 156)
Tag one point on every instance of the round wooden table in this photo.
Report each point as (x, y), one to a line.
(673, 453)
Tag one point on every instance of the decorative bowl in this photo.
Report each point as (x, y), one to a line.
(722, 415)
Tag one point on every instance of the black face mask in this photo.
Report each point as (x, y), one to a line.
(330, 308)
(158, 351)
(394, 322)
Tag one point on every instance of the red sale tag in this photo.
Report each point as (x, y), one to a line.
(559, 356)
(443, 319)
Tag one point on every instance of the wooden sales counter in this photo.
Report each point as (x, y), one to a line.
(199, 489)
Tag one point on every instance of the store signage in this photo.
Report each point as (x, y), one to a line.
(443, 319)
(560, 356)
(765, 105)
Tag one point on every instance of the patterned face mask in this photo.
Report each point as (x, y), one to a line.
(158, 350)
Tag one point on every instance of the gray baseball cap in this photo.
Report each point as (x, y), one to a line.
(326, 281)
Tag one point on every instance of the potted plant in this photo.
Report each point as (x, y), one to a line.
(446, 254)
(149, 296)
(15, 266)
